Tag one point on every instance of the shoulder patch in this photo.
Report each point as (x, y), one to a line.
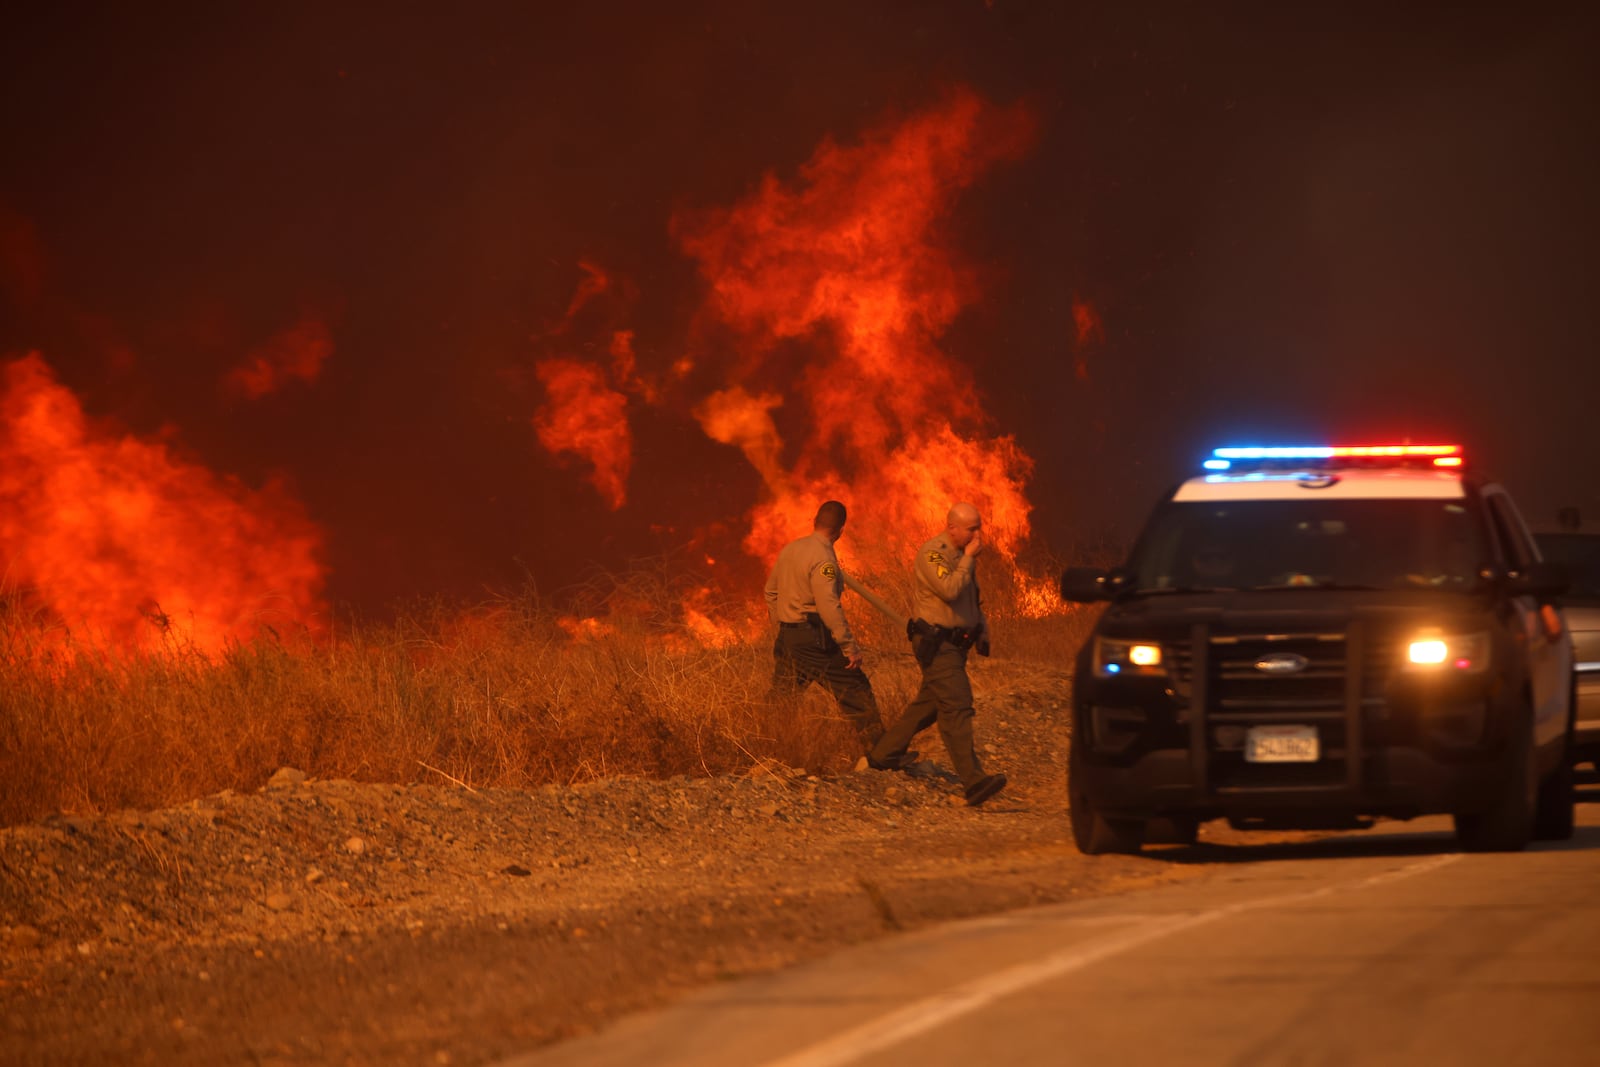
(935, 556)
(829, 571)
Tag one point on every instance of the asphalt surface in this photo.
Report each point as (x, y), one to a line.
(1382, 947)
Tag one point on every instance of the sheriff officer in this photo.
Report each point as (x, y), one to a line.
(814, 641)
(949, 622)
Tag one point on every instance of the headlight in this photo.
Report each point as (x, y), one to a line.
(1114, 657)
(1465, 653)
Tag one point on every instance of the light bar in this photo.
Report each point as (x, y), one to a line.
(1442, 455)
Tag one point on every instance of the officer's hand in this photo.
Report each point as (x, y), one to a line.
(975, 545)
(852, 661)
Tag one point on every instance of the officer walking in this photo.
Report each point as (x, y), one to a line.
(814, 642)
(949, 621)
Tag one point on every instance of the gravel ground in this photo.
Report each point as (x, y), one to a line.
(343, 922)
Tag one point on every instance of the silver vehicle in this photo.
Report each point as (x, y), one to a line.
(1577, 545)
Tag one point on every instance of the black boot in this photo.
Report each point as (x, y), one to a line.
(984, 788)
(893, 763)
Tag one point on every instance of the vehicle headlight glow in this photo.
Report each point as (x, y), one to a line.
(1113, 656)
(1429, 651)
(1468, 653)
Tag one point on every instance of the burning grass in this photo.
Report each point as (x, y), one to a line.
(510, 694)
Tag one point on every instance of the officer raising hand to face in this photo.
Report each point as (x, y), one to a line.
(949, 622)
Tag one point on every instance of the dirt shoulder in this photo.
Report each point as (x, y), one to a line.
(340, 922)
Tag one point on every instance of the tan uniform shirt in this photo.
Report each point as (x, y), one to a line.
(946, 591)
(805, 579)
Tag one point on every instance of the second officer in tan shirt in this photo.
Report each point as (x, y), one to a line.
(814, 641)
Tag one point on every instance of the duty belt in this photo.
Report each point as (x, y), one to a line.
(957, 636)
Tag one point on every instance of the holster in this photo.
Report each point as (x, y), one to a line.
(926, 637)
(819, 628)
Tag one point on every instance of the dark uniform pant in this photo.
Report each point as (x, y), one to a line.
(804, 654)
(945, 697)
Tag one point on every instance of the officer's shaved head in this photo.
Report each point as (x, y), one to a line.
(830, 517)
(962, 515)
(962, 524)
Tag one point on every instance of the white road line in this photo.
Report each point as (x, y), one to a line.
(941, 1008)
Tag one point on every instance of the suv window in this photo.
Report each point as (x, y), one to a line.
(1268, 544)
(1519, 551)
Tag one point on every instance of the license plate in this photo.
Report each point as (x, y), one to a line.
(1281, 744)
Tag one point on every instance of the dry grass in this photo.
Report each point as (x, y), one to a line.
(502, 695)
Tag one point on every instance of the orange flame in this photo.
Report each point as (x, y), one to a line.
(588, 418)
(734, 417)
(585, 629)
(851, 257)
(712, 624)
(133, 544)
(295, 354)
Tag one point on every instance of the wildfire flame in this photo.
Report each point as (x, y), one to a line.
(847, 269)
(851, 258)
(586, 417)
(127, 542)
(585, 629)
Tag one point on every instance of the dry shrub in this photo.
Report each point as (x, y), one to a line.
(507, 694)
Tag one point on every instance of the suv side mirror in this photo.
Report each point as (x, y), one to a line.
(1085, 585)
(1543, 579)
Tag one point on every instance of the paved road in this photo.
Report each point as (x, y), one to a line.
(1380, 948)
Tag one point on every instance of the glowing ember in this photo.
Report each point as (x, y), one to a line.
(850, 259)
(296, 354)
(124, 541)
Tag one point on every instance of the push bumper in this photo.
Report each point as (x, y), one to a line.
(1396, 783)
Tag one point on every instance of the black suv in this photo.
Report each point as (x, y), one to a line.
(1312, 638)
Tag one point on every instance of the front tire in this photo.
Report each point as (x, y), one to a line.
(1094, 833)
(1554, 813)
(1556, 817)
(1507, 824)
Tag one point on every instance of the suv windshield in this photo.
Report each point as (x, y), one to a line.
(1581, 554)
(1286, 544)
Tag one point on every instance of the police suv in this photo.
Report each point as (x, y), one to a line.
(1313, 638)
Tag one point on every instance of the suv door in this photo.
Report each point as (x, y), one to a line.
(1545, 629)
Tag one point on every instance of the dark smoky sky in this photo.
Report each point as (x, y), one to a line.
(1354, 221)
